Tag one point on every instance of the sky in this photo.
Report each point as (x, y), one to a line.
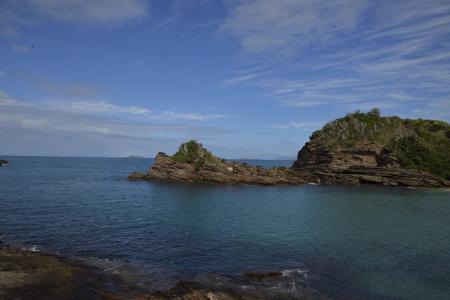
(248, 79)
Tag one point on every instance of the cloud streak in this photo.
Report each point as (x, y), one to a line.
(102, 107)
(396, 58)
(289, 25)
(307, 126)
(15, 15)
(89, 123)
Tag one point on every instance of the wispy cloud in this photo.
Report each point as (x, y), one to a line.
(170, 115)
(396, 57)
(289, 25)
(94, 107)
(91, 13)
(103, 107)
(91, 128)
(138, 63)
(14, 15)
(166, 24)
(307, 126)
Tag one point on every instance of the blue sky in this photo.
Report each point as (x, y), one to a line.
(249, 79)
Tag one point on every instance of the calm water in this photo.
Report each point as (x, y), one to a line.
(371, 242)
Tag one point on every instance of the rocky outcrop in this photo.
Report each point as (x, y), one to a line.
(288, 284)
(3, 162)
(165, 168)
(28, 275)
(365, 162)
(357, 149)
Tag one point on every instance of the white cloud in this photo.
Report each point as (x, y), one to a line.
(397, 56)
(17, 14)
(87, 128)
(288, 25)
(102, 107)
(307, 126)
(91, 13)
(170, 115)
(94, 107)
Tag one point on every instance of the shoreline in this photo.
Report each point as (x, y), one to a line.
(34, 274)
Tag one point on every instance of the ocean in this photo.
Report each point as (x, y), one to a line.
(362, 242)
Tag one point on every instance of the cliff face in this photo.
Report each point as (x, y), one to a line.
(369, 149)
(193, 163)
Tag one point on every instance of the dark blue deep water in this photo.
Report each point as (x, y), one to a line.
(369, 242)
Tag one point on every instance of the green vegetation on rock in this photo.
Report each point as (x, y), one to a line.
(418, 144)
(194, 153)
(428, 150)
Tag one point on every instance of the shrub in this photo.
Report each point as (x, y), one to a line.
(194, 153)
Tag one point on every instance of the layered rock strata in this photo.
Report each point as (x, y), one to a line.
(165, 168)
(367, 163)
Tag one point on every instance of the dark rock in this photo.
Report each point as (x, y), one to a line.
(263, 275)
(136, 176)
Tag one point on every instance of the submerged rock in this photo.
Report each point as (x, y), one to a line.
(29, 275)
(270, 285)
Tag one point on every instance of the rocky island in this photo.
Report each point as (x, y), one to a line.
(194, 163)
(360, 148)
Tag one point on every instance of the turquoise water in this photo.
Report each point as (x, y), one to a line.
(365, 242)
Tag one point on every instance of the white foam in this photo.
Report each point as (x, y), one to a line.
(292, 272)
(34, 248)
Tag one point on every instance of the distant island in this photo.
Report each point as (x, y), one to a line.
(360, 148)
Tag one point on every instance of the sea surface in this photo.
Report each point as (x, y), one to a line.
(354, 242)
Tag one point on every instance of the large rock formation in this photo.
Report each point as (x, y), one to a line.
(357, 149)
(193, 163)
(369, 149)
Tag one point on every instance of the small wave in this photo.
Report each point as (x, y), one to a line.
(34, 248)
(295, 272)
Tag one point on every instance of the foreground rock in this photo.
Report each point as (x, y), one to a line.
(32, 275)
(271, 285)
(26, 275)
